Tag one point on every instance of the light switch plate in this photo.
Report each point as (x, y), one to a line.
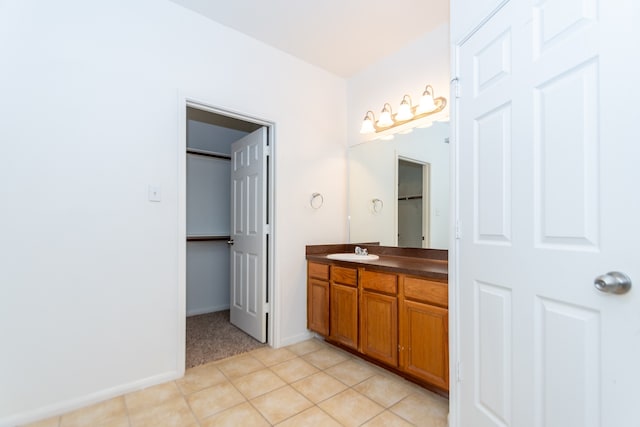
(155, 195)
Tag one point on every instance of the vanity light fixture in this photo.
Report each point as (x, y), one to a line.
(407, 112)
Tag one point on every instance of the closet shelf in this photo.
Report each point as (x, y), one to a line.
(206, 153)
(419, 196)
(207, 238)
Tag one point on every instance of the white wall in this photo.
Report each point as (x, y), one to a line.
(425, 61)
(208, 195)
(88, 119)
(468, 14)
(208, 277)
(208, 209)
(205, 136)
(408, 71)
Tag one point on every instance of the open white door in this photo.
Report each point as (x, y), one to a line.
(249, 234)
(548, 148)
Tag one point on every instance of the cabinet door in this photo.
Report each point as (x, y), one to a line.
(424, 342)
(318, 306)
(379, 327)
(344, 315)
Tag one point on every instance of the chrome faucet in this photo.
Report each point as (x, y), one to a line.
(361, 251)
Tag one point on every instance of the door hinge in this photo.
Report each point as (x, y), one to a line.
(267, 229)
(267, 150)
(459, 371)
(456, 87)
(457, 231)
(266, 307)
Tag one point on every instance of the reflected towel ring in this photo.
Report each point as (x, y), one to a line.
(377, 205)
(316, 200)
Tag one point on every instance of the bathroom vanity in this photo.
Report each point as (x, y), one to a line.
(392, 311)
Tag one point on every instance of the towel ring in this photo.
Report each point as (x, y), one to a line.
(377, 205)
(316, 200)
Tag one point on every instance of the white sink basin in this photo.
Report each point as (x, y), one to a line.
(350, 256)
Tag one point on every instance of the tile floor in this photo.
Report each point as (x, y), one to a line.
(306, 384)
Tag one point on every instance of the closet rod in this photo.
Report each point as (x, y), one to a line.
(208, 153)
(207, 238)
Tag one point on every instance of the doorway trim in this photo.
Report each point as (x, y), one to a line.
(181, 192)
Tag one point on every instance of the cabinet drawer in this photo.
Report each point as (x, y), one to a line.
(345, 276)
(319, 271)
(426, 290)
(381, 282)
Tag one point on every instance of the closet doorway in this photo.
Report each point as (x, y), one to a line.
(413, 208)
(227, 234)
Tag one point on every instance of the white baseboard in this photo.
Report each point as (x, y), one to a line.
(88, 399)
(205, 310)
(296, 338)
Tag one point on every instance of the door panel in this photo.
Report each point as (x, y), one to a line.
(425, 342)
(566, 159)
(547, 154)
(248, 213)
(492, 166)
(575, 330)
(318, 306)
(493, 350)
(344, 314)
(379, 327)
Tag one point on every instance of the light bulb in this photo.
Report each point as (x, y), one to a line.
(426, 102)
(385, 119)
(404, 111)
(367, 126)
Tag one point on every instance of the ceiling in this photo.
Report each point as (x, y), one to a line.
(341, 36)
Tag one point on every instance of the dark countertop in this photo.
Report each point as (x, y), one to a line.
(428, 263)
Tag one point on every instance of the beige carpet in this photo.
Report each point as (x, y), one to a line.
(212, 337)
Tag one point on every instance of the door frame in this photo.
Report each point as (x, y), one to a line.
(181, 192)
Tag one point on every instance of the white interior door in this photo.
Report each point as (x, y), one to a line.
(249, 234)
(548, 145)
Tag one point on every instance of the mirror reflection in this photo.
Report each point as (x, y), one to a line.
(399, 189)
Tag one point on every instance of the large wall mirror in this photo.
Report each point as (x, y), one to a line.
(399, 189)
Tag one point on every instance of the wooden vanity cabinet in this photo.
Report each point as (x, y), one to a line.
(379, 316)
(424, 331)
(396, 319)
(344, 306)
(318, 298)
